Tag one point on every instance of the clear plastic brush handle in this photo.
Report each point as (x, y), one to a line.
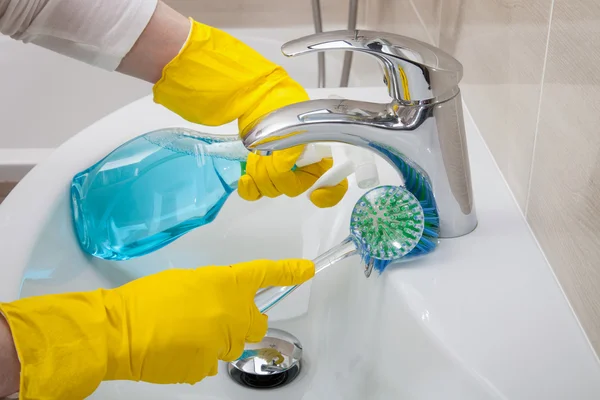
(235, 150)
(266, 298)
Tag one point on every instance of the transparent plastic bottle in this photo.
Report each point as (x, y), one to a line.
(150, 191)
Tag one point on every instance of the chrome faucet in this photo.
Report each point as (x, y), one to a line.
(420, 131)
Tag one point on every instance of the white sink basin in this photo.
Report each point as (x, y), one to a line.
(480, 318)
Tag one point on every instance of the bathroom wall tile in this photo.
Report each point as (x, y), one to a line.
(564, 210)
(260, 13)
(394, 16)
(387, 15)
(501, 44)
(430, 12)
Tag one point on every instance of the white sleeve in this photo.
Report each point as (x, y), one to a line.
(97, 32)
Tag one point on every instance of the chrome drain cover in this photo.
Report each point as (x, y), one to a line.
(273, 362)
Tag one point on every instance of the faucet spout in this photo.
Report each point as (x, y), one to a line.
(316, 121)
(408, 137)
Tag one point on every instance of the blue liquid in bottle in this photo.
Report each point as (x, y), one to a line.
(148, 192)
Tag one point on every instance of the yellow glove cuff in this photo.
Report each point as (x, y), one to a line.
(62, 356)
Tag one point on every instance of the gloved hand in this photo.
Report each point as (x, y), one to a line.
(216, 79)
(170, 327)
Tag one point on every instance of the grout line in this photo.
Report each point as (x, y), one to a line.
(429, 37)
(539, 111)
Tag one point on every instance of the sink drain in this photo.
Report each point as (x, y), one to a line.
(264, 381)
(272, 363)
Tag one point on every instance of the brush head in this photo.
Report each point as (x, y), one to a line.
(387, 223)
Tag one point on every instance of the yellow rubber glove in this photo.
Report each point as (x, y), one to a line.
(216, 79)
(170, 327)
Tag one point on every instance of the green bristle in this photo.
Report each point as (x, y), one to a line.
(387, 222)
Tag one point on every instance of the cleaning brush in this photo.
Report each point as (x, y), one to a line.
(387, 224)
(416, 182)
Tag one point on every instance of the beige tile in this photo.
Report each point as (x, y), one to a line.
(260, 13)
(501, 44)
(564, 206)
(394, 16)
(430, 12)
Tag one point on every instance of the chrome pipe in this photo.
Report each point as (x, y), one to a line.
(318, 22)
(352, 16)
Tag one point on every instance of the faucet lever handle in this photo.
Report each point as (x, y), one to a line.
(413, 70)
